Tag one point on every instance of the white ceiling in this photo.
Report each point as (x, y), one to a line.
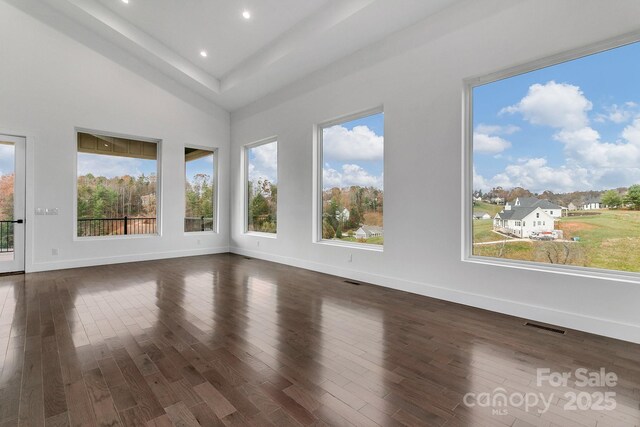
(247, 59)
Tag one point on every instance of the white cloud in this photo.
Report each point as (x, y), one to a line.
(110, 166)
(358, 144)
(350, 175)
(483, 143)
(559, 105)
(497, 129)
(618, 114)
(264, 163)
(479, 182)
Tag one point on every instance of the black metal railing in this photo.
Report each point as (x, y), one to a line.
(6, 236)
(91, 227)
(192, 224)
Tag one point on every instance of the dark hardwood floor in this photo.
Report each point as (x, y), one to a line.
(225, 340)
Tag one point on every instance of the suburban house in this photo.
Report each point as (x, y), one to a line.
(497, 200)
(367, 231)
(481, 215)
(522, 221)
(592, 203)
(572, 207)
(533, 202)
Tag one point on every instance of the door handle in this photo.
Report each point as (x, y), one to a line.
(18, 221)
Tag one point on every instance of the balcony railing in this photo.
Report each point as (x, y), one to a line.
(91, 227)
(192, 224)
(6, 236)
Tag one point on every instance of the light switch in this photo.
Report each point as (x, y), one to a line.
(40, 211)
(52, 211)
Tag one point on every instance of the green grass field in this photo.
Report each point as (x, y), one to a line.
(610, 240)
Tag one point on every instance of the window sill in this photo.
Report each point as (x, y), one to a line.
(364, 246)
(120, 237)
(199, 233)
(261, 234)
(570, 270)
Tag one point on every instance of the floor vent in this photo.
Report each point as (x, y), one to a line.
(546, 328)
(351, 282)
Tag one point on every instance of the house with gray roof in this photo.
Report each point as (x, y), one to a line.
(367, 231)
(522, 221)
(533, 202)
(592, 203)
(481, 215)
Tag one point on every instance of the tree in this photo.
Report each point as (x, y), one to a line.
(611, 199)
(633, 197)
(328, 231)
(6, 197)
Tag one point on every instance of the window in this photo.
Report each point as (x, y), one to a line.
(200, 190)
(117, 186)
(565, 139)
(261, 181)
(351, 190)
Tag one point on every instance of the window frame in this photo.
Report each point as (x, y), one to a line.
(245, 180)
(214, 196)
(159, 186)
(467, 161)
(318, 166)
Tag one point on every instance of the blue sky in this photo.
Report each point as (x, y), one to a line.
(569, 127)
(353, 153)
(7, 162)
(203, 165)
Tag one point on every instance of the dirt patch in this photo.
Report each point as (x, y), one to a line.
(572, 228)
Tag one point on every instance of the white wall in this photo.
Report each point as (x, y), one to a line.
(50, 84)
(418, 76)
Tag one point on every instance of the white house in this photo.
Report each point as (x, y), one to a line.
(481, 215)
(533, 202)
(572, 207)
(592, 203)
(522, 221)
(367, 231)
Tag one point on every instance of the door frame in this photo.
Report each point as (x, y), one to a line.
(29, 196)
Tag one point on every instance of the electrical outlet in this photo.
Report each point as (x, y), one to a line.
(258, 243)
(54, 251)
(198, 241)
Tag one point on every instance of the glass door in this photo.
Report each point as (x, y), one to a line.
(12, 207)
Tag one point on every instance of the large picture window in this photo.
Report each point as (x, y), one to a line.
(261, 181)
(200, 190)
(351, 190)
(117, 183)
(556, 164)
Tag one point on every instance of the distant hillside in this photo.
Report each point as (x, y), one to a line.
(486, 207)
(562, 199)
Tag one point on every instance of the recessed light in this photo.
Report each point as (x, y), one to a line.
(125, 1)
(246, 14)
(203, 53)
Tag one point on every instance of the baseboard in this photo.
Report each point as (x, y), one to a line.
(90, 262)
(605, 327)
